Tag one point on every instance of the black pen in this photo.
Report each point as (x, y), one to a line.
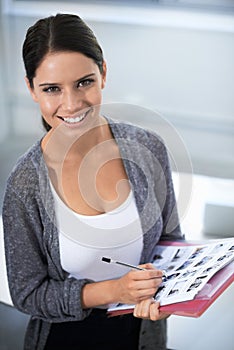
(111, 261)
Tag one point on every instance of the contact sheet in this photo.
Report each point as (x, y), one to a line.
(189, 268)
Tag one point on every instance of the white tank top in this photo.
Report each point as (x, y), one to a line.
(84, 240)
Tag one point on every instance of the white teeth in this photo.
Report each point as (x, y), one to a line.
(74, 120)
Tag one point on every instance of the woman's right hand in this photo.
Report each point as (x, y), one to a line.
(138, 285)
(132, 288)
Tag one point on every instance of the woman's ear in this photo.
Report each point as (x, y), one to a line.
(104, 69)
(31, 90)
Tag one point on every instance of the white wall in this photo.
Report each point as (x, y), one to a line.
(185, 74)
(3, 114)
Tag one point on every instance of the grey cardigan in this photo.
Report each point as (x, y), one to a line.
(38, 284)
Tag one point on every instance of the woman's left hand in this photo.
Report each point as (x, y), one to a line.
(149, 309)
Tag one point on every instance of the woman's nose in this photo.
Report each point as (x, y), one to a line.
(71, 101)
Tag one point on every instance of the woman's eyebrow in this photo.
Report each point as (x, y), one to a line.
(76, 81)
(45, 84)
(85, 77)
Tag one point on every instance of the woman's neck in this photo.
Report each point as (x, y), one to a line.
(58, 146)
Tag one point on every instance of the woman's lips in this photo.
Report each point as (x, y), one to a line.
(75, 119)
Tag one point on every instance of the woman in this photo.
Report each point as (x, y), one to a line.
(91, 187)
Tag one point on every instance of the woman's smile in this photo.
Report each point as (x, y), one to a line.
(77, 118)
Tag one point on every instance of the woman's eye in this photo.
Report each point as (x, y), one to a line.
(84, 83)
(51, 89)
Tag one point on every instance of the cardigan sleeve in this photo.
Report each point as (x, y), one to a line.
(38, 287)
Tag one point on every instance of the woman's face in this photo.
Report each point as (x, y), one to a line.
(67, 86)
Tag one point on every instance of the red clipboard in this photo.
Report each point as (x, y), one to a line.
(203, 300)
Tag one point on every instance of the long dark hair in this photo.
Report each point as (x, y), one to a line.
(63, 32)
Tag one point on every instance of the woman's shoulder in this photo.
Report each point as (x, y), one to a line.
(130, 131)
(26, 167)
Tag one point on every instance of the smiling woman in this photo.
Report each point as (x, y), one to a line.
(66, 86)
(59, 40)
(91, 184)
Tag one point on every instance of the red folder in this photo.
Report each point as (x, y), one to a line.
(209, 293)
